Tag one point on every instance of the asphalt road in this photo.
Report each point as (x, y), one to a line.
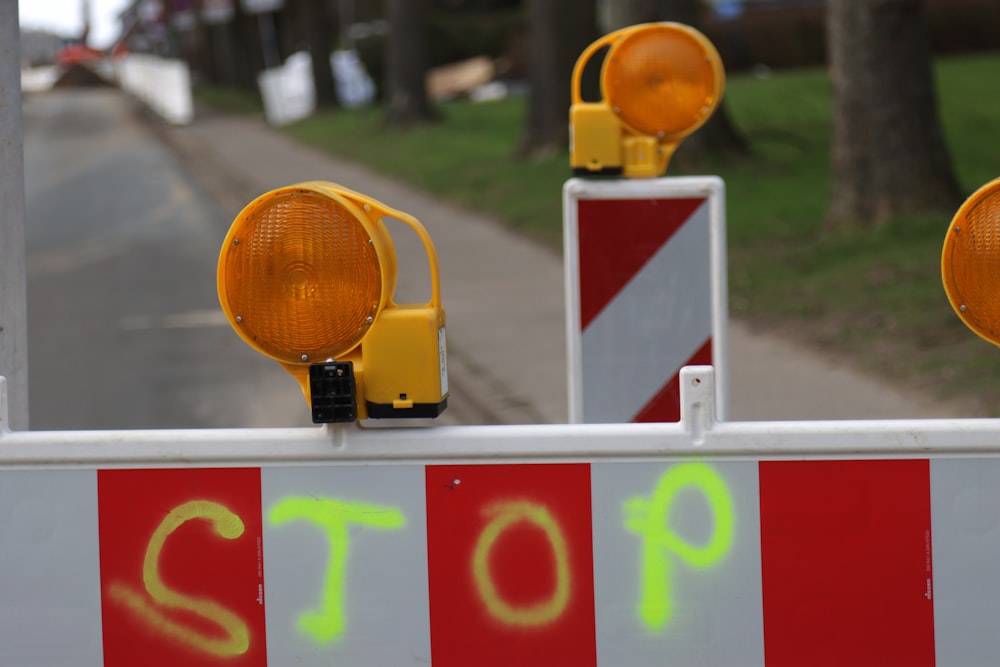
(124, 326)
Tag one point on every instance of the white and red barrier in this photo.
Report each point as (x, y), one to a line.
(645, 264)
(697, 543)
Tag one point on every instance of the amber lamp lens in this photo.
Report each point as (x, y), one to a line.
(301, 279)
(970, 262)
(662, 81)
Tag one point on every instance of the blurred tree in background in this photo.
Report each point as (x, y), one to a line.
(246, 57)
(406, 98)
(558, 31)
(319, 26)
(888, 154)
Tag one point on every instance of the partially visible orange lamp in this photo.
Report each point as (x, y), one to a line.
(970, 262)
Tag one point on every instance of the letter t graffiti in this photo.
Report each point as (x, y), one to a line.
(326, 624)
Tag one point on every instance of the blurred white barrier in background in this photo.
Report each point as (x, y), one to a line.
(165, 85)
(354, 87)
(288, 91)
(38, 79)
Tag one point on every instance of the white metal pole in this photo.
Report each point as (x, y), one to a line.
(13, 308)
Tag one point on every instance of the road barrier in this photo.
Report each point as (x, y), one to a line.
(699, 542)
(163, 84)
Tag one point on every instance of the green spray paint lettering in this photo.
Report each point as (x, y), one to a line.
(326, 624)
(648, 518)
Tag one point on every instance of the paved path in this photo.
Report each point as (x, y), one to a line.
(124, 324)
(504, 297)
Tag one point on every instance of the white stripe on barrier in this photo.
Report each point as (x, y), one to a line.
(50, 599)
(965, 515)
(702, 605)
(383, 549)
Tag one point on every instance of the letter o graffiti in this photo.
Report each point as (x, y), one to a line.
(507, 514)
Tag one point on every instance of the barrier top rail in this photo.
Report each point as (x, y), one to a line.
(698, 434)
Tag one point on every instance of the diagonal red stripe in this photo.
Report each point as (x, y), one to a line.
(665, 406)
(616, 239)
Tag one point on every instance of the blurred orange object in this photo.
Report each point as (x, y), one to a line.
(75, 54)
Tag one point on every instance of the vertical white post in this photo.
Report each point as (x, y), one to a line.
(13, 310)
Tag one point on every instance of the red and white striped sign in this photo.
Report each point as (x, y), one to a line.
(645, 294)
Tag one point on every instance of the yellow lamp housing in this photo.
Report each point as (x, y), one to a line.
(659, 83)
(970, 262)
(307, 276)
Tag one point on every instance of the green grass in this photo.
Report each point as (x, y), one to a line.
(228, 100)
(872, 295)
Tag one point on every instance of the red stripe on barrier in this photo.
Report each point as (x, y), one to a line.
(182, 570)
(846, 563)
(616, 238)
(665, 406)
(510, 565)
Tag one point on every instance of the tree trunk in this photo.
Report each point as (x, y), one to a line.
(719, 134)
(222, 53)
(406, 63)
(245, 55)
(319, 29)
(205, 68)
(618, 14)
(888, 155)
(558, 32)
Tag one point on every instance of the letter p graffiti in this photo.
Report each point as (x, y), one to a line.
(648, 518)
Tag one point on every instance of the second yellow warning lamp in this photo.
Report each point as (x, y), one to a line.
(307, 276)
(659, 83)
(970, 262)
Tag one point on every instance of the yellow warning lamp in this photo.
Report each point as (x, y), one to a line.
(307, 275)
(970, 262)
(659, 82)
